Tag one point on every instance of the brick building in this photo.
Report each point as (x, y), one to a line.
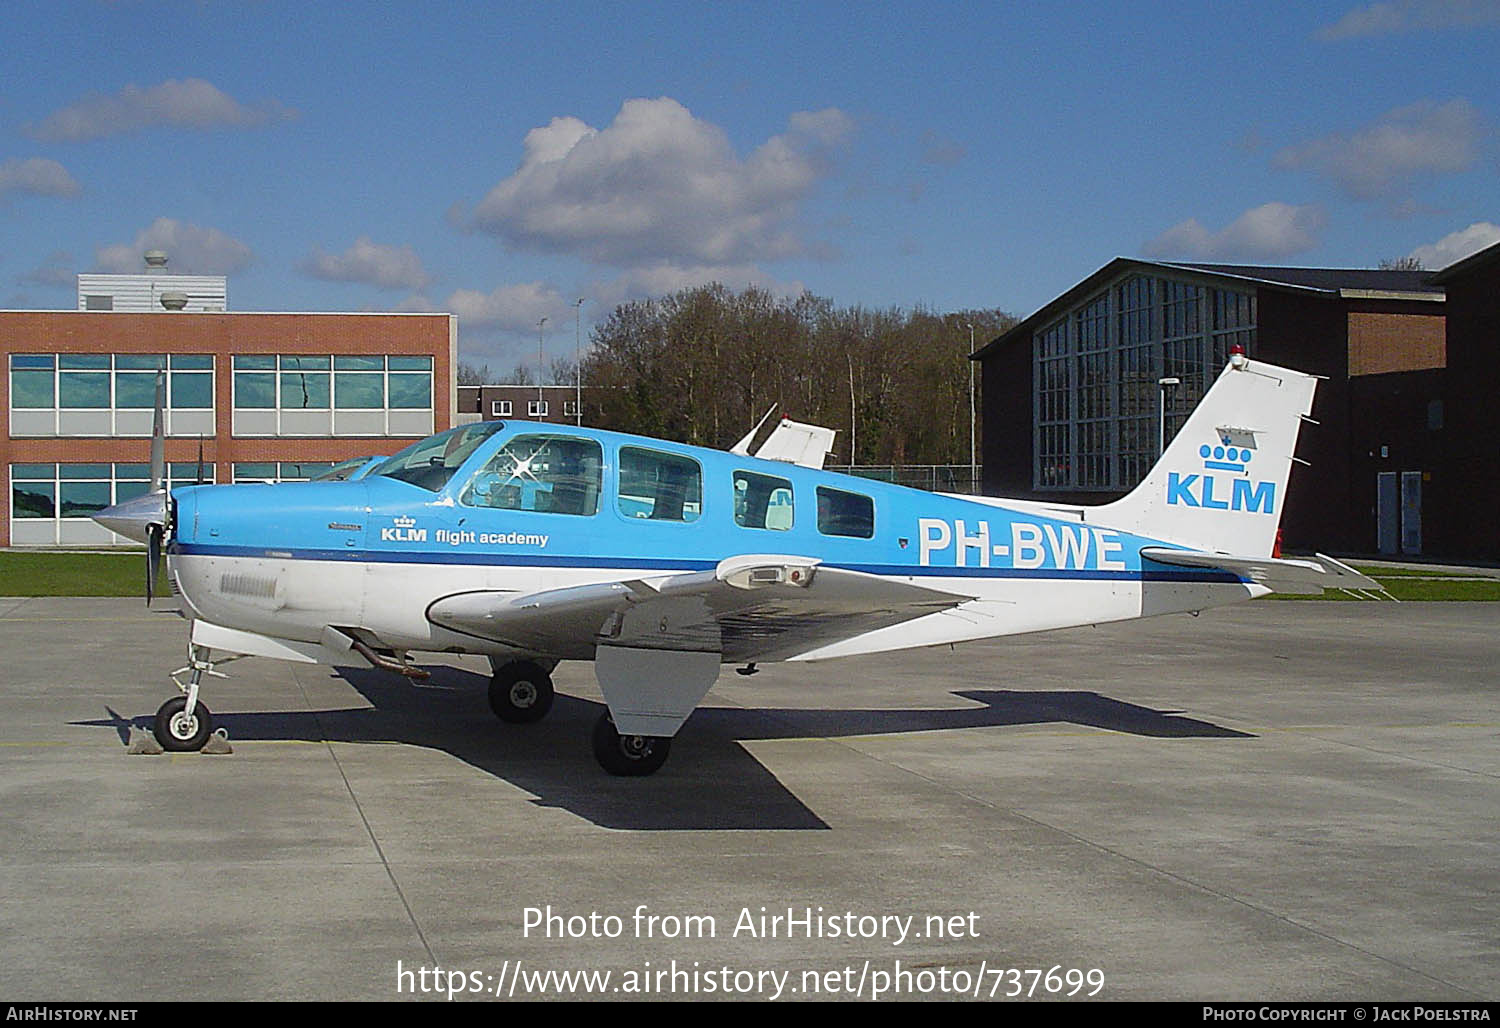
(271, 397)
(557, 404)
(1075, 397)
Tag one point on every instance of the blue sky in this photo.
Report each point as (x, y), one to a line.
(504, 160)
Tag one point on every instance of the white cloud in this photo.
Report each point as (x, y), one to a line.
(512, 308)
(1382, 19)
(37, 176)
(1386, 158)
(191, 250)
(55, 272)
(1455, 246)
(386, 267)
(1272, 231)
(658, 185)
(664, 278)
(185, 103)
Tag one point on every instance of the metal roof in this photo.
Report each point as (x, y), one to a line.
(1331, 282)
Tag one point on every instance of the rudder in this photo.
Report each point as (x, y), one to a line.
(1221, 484)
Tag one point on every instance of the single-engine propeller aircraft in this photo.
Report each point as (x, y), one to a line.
(535, 543)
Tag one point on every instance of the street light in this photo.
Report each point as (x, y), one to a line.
(578, 363)
(539, 400)
(973, 453)
(1163, 384)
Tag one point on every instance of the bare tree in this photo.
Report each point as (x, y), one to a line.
(473, 374)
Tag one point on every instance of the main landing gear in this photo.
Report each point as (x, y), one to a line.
(521, 692)
(628, 754)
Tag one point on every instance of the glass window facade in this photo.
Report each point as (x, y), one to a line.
(1096, 373)
(51, 504)
(101, 394)
(283, 471)
(320, 395)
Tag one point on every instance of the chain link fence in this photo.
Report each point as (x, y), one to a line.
(937, 478)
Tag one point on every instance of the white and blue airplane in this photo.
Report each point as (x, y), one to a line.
(535, 543)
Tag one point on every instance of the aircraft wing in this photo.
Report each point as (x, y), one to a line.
(748, 608)
(1283, 575)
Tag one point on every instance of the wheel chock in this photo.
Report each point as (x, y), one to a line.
(143, 742)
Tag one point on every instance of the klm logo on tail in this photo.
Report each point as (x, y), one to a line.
(1220, 491)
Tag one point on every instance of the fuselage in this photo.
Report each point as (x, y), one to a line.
(523, 507)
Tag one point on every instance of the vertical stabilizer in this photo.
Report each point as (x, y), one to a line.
(1221, 485)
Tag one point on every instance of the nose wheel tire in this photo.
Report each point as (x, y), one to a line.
(521, 692)
(628, 754)
(179, 731)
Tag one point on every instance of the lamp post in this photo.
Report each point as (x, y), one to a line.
(1163, 384)
(578, 363)
(973, 453)
(539, 400)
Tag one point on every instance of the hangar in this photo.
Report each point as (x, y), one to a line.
(1079, 396)
(272, 397)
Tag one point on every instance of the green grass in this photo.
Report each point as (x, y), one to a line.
(1383, 571)
(76, 574)
(1441, 588)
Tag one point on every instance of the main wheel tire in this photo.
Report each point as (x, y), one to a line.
(180, 732)
(521, 692)
(628, 754)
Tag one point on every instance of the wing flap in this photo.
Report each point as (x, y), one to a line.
(1280, 574)
(750, 607)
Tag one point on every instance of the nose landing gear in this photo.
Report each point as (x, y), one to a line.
(184, 723)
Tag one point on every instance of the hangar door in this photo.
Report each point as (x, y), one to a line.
(1398, 512)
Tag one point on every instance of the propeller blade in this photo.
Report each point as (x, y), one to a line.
(159, 435)
(153, 559)
(199, 479)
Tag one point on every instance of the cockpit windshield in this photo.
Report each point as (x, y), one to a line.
(432, 462)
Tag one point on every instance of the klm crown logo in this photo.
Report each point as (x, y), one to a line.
(1228, 455)
(405, 530)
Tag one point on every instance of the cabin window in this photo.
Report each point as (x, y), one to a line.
(659, 486)
(431, 462)
(550, 474)
(762, 501)
(849, 514)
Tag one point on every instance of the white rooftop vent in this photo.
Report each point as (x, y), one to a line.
(156, 260)
(174, 301)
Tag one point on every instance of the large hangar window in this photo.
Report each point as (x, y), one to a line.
(1097, 371)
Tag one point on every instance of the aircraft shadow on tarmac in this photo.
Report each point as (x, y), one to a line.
(711, 782)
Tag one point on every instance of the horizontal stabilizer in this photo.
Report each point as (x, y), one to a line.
(797, 443)
(1283, 575)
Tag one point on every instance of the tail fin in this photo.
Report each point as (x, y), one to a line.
(1221, 484)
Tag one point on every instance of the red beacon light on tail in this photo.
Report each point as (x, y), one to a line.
(1237, 356)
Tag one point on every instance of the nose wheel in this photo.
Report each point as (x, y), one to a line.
(183, 723)
(180, 730)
